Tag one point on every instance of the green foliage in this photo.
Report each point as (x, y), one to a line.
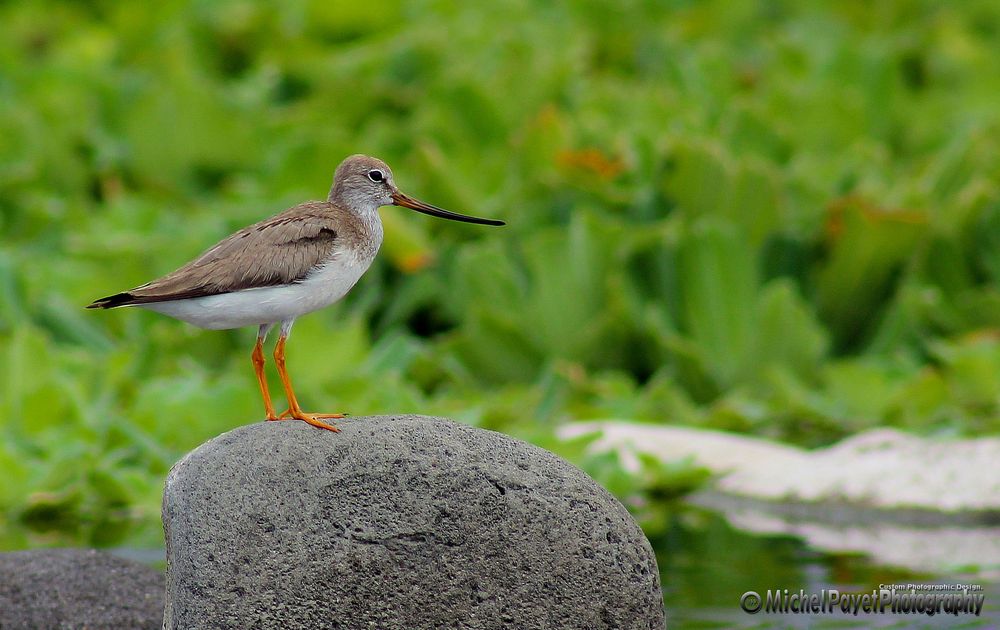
(777, 218)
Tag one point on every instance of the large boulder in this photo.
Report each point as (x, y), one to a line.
(397, 522)
(78, 588)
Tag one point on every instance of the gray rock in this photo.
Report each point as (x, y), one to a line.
(77, 588)
(397, 522)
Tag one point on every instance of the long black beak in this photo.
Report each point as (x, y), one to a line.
(399, 199)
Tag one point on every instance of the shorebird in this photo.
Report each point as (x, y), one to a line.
(293, 263)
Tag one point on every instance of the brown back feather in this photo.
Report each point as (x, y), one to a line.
(280, 250)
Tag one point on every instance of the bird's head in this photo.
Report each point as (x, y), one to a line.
(363, 183)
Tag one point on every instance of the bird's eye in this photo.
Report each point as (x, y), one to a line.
(376, 175)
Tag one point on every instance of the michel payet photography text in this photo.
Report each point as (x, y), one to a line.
(926, 599)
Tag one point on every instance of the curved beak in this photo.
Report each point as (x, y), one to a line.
(399, 199)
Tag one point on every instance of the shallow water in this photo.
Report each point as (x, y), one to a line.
(706, 565)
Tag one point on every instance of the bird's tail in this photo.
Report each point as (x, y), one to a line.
(112, 301)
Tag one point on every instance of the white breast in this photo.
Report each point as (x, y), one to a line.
(325, 285)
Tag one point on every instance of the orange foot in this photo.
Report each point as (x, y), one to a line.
(310, 418)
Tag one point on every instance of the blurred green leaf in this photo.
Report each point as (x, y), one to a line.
(719, 282)
(868, 247)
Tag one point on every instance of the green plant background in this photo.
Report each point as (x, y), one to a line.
(774, 218)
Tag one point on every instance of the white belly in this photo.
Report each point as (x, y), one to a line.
(268, 305)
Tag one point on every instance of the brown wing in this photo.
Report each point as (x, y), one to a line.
(278, 250)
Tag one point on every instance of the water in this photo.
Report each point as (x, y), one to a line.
(706, 565)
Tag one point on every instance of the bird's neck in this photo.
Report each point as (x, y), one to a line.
(371, 227)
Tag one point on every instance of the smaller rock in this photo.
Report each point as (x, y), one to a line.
(78, 588)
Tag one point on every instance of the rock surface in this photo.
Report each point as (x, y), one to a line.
(77, 588)
(397, 522)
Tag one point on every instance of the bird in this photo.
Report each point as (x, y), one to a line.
(293, 263)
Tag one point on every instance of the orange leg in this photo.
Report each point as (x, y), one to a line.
(258, 368)
(294, 410)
